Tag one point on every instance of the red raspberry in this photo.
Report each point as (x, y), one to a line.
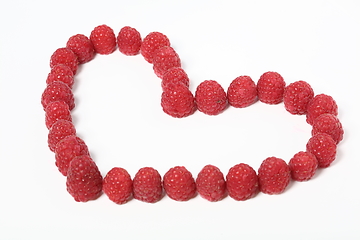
(118, 186)
(270, 88)
(303, 166)
(242, 92)
(319, 105)
(164, 59)
(179, 184)
(55, 111)
(104, 40)
(57, 91)
(61, 73)
(178, 101)
(64, 56)
(58, 131)
(84, 181)
(297, 97)
(175, 75)
(67, 149)
(129, 41)
(274, 176)
(210, 97)
(242, 182)
(147, 185)
(152, 42)
(210, 183)
(330, 124)
(323, 147)
(82, 47)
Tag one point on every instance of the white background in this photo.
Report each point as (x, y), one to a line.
(118, 114)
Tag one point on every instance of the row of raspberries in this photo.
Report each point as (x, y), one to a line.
(83, 179)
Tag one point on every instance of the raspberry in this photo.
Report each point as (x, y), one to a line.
(330, 124)
(84, 181)
(58, 131)
(323, 147)
(320, 104)
(242, 182)
(118, 186)
(103, 39)
(152, 42)
(242, 92)
(147, 185)
(82, 47)
(303, 166)
(210, 97)
(178, 101)
(64, 56)
(129, 41)
(55, 111)
(297, 97)
(210, 183)
(270, 88)
(61, 73)
(164, 59)
(57, 91)
(274, 176)
(179, 184)
(66, 150)
(175, 75)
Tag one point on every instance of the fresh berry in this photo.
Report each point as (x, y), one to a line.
(178, 101)
(147, 185)
(319, 105)
(61, 73)
(118, 185)
(55, 111)
(64, 56)
(303, 166)
(164, 59)
(210, 97)
(129, 41)
(84, 181)
(210, 183)
(242, 182)
(152, 42)
(103, 39)
(58, 131)
(179, 184)
(274, 176)
(297, 96)
(67, 149)
(175, 75)
(82, 47)
(270, 88)
(242, 92)
(57, 91)
(330, 124)
(323, 147)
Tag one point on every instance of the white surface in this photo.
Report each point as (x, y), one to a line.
(118, 114)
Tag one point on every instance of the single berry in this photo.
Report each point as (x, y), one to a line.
(319, 105)
(103, 39)
(179, 184)
(270, 88)
(57, 91)
(297, 96)
(147, 185)
(330, 124)
(55, 111)
(303, 166)
(323, 147)
(210, 97)
(82, 47)
(242, 92)
(84, 181)
(58, 131)
(274, 176)
(164, 59)
(174, 75)
(242, 182)
(129, 41)
(67, 149)
(61, 73)
(64, 56)
(152, 42)
(210, 183)
(118, 185)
